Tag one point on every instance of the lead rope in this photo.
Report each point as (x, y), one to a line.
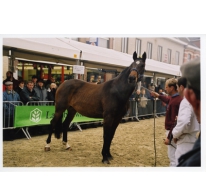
(154, 131)
(154, 114)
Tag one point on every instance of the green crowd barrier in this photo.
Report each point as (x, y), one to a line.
(26, 116)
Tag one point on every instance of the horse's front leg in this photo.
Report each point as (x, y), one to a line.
(109, 131)
(113, 129)
(105, 149)
(107, 137)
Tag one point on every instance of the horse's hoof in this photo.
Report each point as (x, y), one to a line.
(69, 149)
(110, 158)
(105, 161)
(47, 149)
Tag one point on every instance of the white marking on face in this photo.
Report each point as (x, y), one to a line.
(137, 62)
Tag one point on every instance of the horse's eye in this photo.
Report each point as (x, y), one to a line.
(137, 62)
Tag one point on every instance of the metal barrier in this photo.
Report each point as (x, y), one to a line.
(137, 110)
(8, 113)
(40, 103)
(144, 108)
(8, 116)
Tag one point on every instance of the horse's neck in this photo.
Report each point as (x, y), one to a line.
(123, 76)
(121, 83)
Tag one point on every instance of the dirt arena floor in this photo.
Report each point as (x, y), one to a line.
(132, 146)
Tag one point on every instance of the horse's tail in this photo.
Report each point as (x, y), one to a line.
(58, 128)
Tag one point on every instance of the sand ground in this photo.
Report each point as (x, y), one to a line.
(133, 146)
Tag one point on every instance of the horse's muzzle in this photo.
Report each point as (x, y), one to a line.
(132, 79)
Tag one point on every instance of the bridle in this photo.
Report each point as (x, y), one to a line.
(139, 75)
(135, 69)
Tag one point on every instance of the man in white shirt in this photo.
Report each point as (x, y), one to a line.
(184, 133)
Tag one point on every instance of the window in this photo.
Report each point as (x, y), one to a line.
(138, 47)
(189, 57)
(149, 50)
(124, 45)
(103, 42)
(177, 56)
(159, 54)
(75, 39)
(169, 52)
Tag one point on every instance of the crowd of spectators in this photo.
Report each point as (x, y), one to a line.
(35, 89)
(145, 102)
(16, 91)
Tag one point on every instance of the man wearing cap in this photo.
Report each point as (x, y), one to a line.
(28, 93)
(191, 71)
(8, 109)
(9, 94)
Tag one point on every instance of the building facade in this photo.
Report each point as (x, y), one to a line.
(166, 50)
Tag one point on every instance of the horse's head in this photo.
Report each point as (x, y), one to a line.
(137, 68)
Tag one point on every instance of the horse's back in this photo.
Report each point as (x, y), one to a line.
(84, 97)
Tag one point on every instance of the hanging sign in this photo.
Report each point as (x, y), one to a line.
(78, 69)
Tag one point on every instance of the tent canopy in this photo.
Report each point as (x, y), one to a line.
(62, 50)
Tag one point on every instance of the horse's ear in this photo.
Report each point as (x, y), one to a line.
(134, 56)
(144, 56)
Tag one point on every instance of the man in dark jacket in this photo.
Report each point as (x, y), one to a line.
(34, 80)
(41, 91)
(28, 93)
(20, 87)
(191, 71)
(9, 77)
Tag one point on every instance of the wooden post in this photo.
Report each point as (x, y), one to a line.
(62, 76)
(23, 70)
(49, 72)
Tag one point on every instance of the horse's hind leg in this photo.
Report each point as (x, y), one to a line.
(70, 115)
(47, 146)
(113, 129)
(54, 123)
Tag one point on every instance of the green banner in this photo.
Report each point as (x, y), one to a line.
(41, 115)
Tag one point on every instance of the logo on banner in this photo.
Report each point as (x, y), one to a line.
(35, 115)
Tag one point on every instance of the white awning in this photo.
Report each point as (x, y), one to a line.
(68, 48)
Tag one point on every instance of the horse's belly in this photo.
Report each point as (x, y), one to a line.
(88, 111)
(91, 114)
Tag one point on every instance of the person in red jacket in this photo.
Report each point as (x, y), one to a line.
(173, 103)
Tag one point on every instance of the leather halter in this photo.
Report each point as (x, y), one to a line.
(139, 75)
(134, 69)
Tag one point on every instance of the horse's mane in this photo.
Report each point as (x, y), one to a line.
(122, 73)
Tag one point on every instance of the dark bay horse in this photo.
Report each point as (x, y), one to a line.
(109, 100)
